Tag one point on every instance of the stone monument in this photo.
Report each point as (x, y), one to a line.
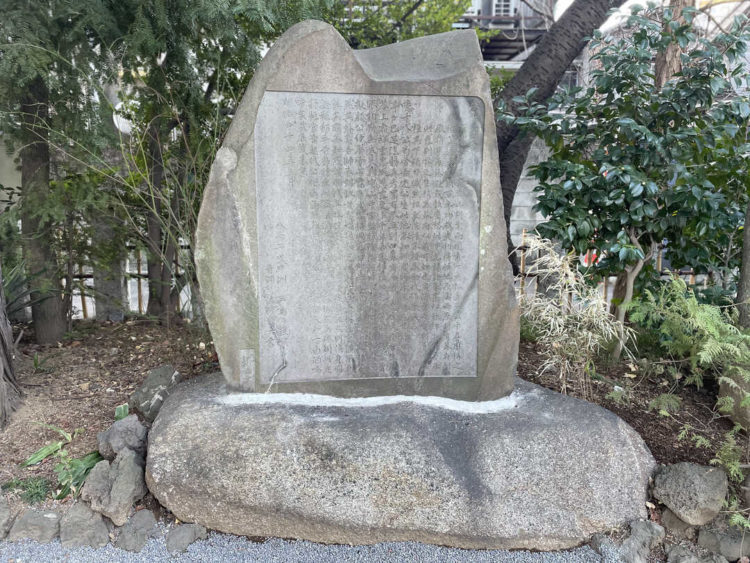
(352, 258)
(351, 240)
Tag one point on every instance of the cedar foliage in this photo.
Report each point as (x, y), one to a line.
(179, 66)
(53, 57)
(188, 63)
(696, 340)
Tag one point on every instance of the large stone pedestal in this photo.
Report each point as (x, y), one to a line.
(534, 470)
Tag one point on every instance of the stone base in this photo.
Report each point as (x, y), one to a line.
(535, 470)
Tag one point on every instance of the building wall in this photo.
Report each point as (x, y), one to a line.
(10, 175)
(522, 214)
(504, 8)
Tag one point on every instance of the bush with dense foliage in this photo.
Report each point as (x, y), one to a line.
(633, 164)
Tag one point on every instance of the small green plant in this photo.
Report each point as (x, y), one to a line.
(53, 447)
(691, 434)
(122, 411)
(570, 320)
(72, 472)
(665, 403)
(737, 517)
(619, 395)
(39, 364)
(729, 455)
(33, 489)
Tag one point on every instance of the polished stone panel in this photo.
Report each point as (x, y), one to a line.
(368, 235)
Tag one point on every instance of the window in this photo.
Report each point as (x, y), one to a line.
(503, 8)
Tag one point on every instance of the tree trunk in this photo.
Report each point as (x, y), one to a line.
(618, 292)
(629, 276)
(543, 70)
(69, 272)
(162, 244)
(170, 306)
(197, 307)
(47, 311)
(743, 284)
(109, 275)
(668, 63)
(10, 393)
(511, 167)
(631, 272)
(110, 282)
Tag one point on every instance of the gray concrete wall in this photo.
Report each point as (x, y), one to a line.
(522, 215)
(10, 175)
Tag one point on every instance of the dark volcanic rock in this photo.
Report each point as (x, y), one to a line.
(695, 493)
(150, 396)
(180, 537)
(113, 488)
(37, 525)
(138, 529)
(126, 433)
(6, 517)
(81, 526)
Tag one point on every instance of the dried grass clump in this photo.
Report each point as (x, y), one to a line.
(567, 316)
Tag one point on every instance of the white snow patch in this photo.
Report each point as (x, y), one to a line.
(307, 399)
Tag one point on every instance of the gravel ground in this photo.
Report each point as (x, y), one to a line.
(222, 547)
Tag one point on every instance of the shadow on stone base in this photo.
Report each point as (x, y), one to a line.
(535, 470)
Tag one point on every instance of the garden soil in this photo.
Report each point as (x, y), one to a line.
(78, 383)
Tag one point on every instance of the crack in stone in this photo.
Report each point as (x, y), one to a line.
(283, 356)
(278, 370)
(432, 350)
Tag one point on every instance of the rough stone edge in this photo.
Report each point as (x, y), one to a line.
(216, 384)
(493, 343)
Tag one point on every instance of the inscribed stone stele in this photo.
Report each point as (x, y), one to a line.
(351, 239)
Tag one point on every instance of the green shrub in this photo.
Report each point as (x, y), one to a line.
(697, 339)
